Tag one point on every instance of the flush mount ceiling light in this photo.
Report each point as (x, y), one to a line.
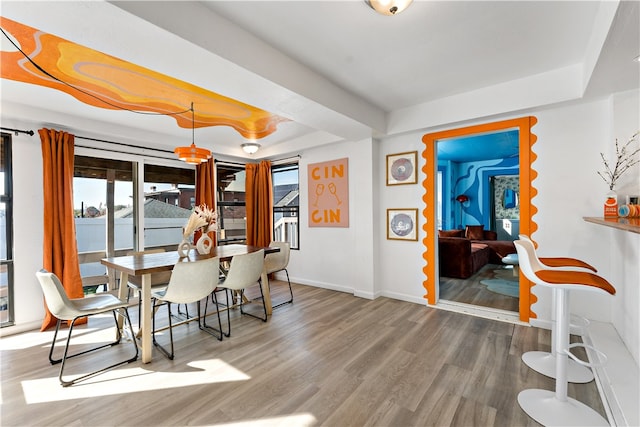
(250, 147)
(388, 7)
(192, 154)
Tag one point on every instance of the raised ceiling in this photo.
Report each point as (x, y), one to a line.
(334, 70)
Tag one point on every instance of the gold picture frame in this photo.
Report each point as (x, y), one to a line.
(402, 224)
(402, 168)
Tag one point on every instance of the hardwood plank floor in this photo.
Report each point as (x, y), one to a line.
(328, 359)
(472, 291)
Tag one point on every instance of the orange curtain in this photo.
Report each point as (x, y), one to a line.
(259, 203)
(206, 190)
(60, 251)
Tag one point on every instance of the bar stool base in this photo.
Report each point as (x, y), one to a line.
(545, 408)
(545, 364)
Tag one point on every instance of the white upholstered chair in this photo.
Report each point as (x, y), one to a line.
(72, 309)
(191, 282)
(245, 270)
(278, 261)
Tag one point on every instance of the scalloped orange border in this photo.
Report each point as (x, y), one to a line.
(527, 192)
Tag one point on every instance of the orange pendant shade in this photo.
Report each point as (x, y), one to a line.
(193, 154)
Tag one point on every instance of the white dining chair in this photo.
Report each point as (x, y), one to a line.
(278, 261)
(158, 280)
(191, 282)
(70, 310)
(245, 270)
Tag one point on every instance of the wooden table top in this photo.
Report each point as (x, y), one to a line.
(137, 265)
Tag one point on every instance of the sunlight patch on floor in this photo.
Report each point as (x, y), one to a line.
(133, 380)
(297, 420)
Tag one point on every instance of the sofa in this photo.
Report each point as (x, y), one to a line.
(462, 253)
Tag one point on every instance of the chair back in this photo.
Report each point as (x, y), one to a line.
(245, 270)
(533, 256)
(192, 281)
(161, 278)
(527, 260)
(278, 260)
(55, 296)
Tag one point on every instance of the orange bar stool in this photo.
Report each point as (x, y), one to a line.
(545, 406)
(544, 362)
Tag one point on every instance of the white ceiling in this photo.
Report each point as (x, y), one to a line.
(337, 69)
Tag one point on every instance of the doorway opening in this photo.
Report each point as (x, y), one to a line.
(480, 214)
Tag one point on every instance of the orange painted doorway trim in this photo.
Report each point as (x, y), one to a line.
(527, 192)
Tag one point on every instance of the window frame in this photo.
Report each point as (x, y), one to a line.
(221, 204)
(7, 198)
(294, 210)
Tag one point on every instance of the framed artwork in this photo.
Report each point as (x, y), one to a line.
(401, 168)
(402, 224)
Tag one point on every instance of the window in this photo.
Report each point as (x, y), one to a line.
(168, 195)
(286, 196)
(6, 233)
(232, 217)
(106, 184)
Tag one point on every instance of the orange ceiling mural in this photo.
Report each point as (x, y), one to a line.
(91, 76)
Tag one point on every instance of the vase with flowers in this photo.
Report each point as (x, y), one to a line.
(625, 159)
(203, 220)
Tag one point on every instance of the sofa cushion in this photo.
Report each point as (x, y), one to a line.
(450, 233)
(474, 232)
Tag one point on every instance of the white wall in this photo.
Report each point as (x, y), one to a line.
(401, 261)
(339, 258)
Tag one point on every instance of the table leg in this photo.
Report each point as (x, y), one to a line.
(145, 322)
(122, 294)
(264, 282)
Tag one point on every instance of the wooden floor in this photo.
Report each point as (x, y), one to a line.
(329, 359)
(471, 291)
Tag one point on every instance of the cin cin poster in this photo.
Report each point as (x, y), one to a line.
(329, 193)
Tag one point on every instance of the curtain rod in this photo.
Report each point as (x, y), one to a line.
(123, 144)
(28, 132)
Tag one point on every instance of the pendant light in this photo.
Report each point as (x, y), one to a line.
(192, 154)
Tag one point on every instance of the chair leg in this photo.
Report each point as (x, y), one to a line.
(228, 294)
(67, 383)
(153, 332)
(65, 355)
(209, 329)
(290, 293)
(264, 306)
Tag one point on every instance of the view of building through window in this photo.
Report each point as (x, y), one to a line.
(286, 196)
(168, 200)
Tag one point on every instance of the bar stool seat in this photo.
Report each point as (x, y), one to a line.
(544, 362)
(544, 406)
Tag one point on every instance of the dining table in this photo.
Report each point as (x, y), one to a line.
(144, 265)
